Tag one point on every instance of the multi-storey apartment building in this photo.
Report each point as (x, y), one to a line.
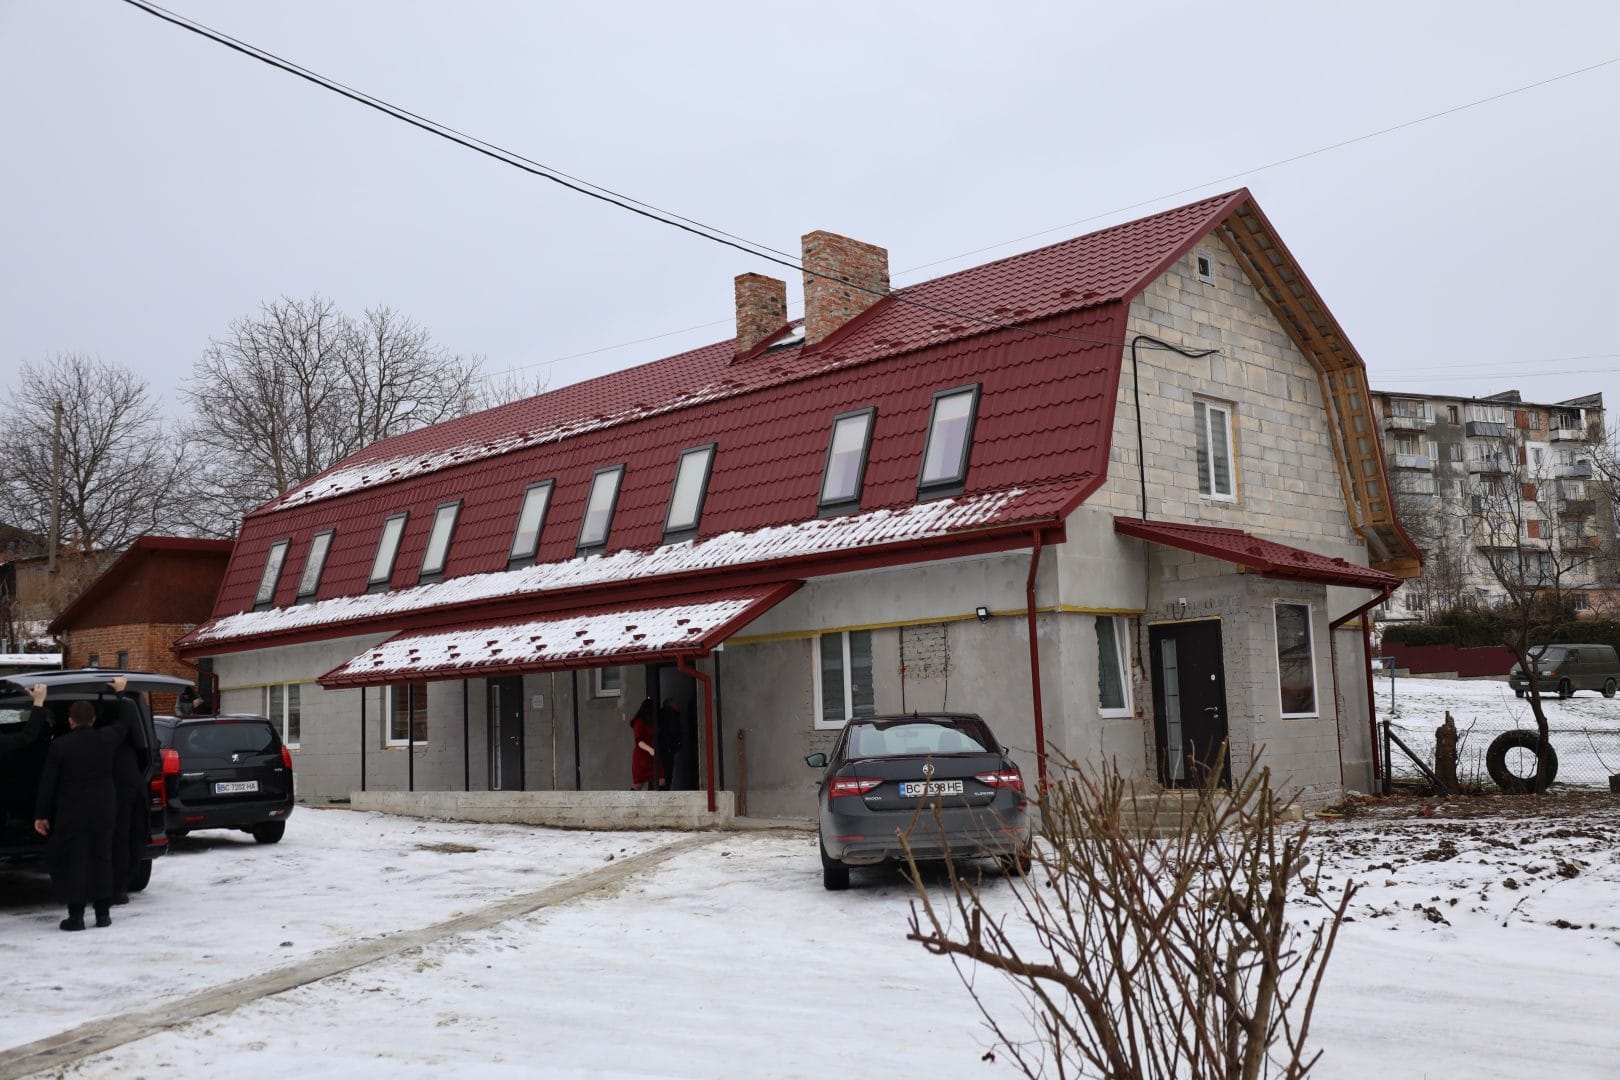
(1500, 493)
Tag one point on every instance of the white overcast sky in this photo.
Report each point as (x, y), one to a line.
(156, 186)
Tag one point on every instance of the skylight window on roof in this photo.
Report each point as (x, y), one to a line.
(531, 520)
(593, 531)
(438, 545)
(382, 564)
(950, 440)
(691, 486)
(314, 563)
(272, 574)
(845, 470)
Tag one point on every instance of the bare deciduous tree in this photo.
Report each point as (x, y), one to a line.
(119, 463)
(1149, 957)
(288, 392)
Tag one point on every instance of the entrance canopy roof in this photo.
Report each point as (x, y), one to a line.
(644, 632)
(1266, 557)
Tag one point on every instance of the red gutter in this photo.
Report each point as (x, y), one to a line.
(1035, 659)
(684, 664)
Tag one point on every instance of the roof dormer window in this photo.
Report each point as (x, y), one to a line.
(272, 574)
(382, 564)
(438, 545)
(842, 476)
(531, 520)
(593, 530)
(950, 442)
(686, 498)
(314, 563)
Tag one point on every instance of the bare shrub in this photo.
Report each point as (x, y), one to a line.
(1144, 956)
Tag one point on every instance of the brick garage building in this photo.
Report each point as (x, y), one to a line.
(156, 591)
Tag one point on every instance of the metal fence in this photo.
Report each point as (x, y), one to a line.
(1587, 756)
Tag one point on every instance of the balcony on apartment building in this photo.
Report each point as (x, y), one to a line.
(1577, 508)
(1489, 463)
(1396, 422)
(1485, 429)
(1565, 430)
(1411, 461)
(1573, 470)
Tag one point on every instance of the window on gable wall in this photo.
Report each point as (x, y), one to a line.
(1113, 666)
(438, 545)
(686, 497)
(272, 574)
(607, 682)
(283, 707)
(593, 530)
(1296, 661)
(531, 520)
(310, 580)
(407, 714)
(844, 686)
(950, 441)
(1214, 448)
(842, 477)
(382, 564)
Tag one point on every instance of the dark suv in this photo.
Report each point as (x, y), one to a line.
(20, 768)
(233, 772)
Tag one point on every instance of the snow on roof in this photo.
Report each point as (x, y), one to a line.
(821, 536)
(682, 626)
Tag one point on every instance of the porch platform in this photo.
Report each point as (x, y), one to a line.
(560, 809)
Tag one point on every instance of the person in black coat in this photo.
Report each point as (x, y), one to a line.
(120, 724)
(75, 813)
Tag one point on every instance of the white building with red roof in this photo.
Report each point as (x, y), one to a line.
(1123, 496)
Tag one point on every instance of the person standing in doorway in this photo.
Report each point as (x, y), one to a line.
(75, 813)
(643, 752)
(669, 742)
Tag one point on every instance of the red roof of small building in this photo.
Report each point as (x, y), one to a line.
(1267, 557)
(206, 553)
(1048, 376)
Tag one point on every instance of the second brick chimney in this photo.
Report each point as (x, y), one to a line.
(842, 278)
(761, 309)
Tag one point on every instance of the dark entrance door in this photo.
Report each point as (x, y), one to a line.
(506, 734)
(678, 741)
(1189, 702)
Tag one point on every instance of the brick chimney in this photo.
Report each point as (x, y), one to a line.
(857, 277)
(761, 309)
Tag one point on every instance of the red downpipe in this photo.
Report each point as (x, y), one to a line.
(1035, 659)
(683, 663)
(1367, 657)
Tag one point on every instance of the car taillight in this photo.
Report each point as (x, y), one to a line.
(286, 757)
(171, 763)
(843, 786)
(1007, 778)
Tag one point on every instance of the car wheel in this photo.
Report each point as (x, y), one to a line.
(140, 875)
(270, 832)
(1018, 863)
(1608, 688)
(834, 874)
(1518, 693)
(1565, 690)
(179, 834)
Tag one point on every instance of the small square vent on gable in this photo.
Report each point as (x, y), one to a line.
(1205, 267)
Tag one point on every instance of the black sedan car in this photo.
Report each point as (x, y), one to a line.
(940, 780)
(226, 772)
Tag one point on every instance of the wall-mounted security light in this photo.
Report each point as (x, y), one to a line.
(982, 612)
(1181, 607)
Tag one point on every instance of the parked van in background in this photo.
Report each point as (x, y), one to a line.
(1566, 668)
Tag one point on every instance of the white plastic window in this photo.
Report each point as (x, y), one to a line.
(1296, 660)
(686, 501)
(843, 679)
(531, 519)
(945, 457)
(593, 532)
(1113, 666)
(846, 459)
(438, 545)
(382, 564)
(1214, 446)
(284, 707)
(310, 579)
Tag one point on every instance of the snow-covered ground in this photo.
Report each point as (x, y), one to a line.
(1483, 944)
(1584, 729)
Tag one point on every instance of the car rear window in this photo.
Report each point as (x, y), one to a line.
(901, 738)
(223, 738)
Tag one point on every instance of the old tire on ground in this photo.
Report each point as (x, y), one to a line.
(140, 875)
(1565, 689)
(834, 874)
(1608, 688)
(269, 832)
(1505, 778)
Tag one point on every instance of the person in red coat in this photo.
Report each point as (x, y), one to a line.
(643, 752)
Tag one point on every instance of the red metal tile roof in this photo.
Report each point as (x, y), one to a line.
(1043, 428)
(688, 625)
(1268, 557)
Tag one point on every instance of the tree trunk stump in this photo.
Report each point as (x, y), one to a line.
(1445, 755)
